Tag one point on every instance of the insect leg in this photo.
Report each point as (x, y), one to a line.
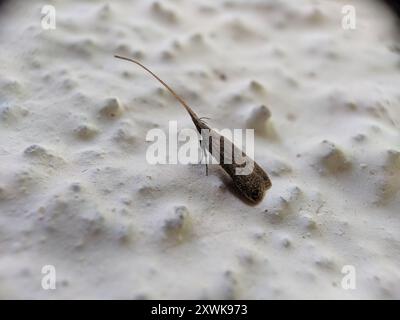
(204, 154)
(204, 142)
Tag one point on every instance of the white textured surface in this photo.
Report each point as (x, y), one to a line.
(77, 193)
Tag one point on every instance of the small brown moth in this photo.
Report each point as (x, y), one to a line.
(252, 185)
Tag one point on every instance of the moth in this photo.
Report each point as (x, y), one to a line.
(251, 185)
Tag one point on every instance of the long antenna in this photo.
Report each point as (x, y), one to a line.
(184, 104)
